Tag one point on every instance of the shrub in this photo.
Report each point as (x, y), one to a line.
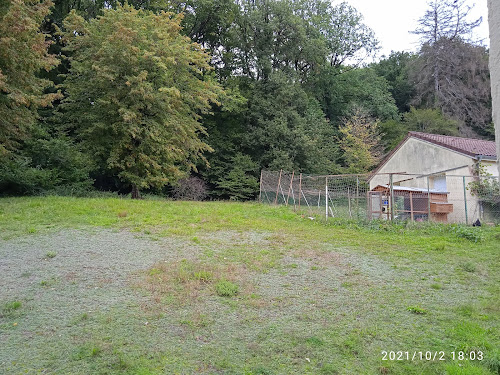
(190, 189)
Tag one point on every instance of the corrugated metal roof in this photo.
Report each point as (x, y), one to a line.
(415, 189)
(468, 146)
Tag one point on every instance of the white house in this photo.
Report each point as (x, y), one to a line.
(438, 163)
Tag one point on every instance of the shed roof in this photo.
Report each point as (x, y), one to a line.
(408, 189)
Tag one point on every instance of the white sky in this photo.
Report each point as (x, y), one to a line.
(391, 20)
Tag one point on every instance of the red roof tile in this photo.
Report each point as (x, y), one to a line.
(468, 146)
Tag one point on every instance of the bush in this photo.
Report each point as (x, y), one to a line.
(46, 166)
(190, 189)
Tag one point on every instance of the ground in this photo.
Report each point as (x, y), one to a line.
(114, 286)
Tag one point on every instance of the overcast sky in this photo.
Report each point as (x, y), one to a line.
(391, 20)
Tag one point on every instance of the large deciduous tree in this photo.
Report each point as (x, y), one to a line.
(136, 89)
(23, 54)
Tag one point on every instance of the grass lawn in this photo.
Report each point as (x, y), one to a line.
(114, 286)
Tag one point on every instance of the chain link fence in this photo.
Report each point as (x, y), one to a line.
(442, 197)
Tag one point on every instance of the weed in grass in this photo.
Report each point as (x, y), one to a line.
(122, 214)
(50, 282)
(225, 288)
(440, 246)
(473, 234)
(466, 310)
(468, 267)
(347, 284)
(314, 268)
(154, 271)
(436, 286)
(261, 371)
(197, 320)
(203, 275)
(329, 369)
(51, 254)
(87, 350)
(31, 230)
(314, 341)
(10, 308)
(417, 310)
(492, 361)
(186, 280)
(196, 240)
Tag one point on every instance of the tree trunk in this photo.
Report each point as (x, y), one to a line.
(135, 192)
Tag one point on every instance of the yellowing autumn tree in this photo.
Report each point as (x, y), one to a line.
(23, 54)
(360, 141)
(136, 90)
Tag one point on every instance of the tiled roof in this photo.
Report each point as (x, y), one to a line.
(468, 146)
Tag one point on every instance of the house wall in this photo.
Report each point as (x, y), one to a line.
(419, 157)
(494, 22)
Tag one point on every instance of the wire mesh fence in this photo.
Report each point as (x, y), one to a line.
(440, 197)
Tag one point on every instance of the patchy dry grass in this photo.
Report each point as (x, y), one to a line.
(159, 287)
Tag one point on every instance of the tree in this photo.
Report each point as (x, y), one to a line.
(360, 141)
(451, 72)
(446, 19)
(463, 83)
(426, 120)
(395, 69)
(348, 39)
(23, 53)
(341, 93)
(136, 89)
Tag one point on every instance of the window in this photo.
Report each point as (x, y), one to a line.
(440, 182)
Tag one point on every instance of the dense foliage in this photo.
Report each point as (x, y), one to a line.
(139, 96)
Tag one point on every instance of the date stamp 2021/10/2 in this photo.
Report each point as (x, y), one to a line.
(432, 355)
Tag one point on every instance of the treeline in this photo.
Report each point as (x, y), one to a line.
(193, 98)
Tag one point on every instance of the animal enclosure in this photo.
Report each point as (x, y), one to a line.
(438, 197)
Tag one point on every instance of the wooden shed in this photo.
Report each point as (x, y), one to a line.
(409, 204)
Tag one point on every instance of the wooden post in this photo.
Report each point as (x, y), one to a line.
(411, 205)
(290, 188)
(278, 187)
(300, 189)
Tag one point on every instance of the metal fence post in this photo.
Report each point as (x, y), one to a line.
(465, 202)
(357, 197)
(260, 187)
(326, 198)
(392, 196)
(428, 201)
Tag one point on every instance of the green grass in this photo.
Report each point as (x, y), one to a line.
(242, 288)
